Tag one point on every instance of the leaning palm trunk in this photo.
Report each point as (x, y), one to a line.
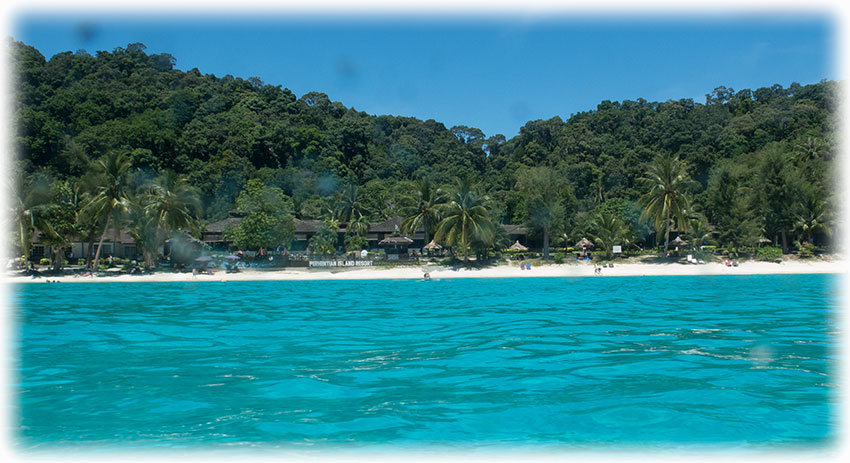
(784, 242)
(58, 257)
(464, 240)
(148, 260)
(100, 243)
(91, 247)
(24, 241)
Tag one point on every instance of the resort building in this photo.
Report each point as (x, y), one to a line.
(381, 235)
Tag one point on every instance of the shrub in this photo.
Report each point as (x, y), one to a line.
(770, 254)
(806, 249)
(44, 261)
(81, 262)
(559, 257)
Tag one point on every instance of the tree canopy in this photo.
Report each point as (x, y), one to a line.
(765, 154)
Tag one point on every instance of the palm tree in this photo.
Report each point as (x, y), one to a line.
(465, 218)
(175, 204)
(60, 219)
(426, 202)
(608, 229)
(812, 216)
(350, 205)
(666, 203)
(544, 207)
(111, 192)
(30, 203)
(166, 205)
(698, 230)
(358, 226)
(142, 226)
(544, 212)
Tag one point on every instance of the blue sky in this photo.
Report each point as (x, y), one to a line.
(494, 72)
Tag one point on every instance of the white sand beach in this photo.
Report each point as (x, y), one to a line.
(439, 272)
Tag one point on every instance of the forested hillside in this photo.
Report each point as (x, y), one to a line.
(758, 160)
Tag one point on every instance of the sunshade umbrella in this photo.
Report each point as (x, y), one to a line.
(433, 245)
(679, 242)
(585, 243)
(396, 240)
(518, 247)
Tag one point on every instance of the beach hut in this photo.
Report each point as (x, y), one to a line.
(396, 245)
(764, 240)
(432, 246)
(679, 242)
(584, 244)
(518, 247)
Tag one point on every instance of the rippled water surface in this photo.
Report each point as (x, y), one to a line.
(564, 362)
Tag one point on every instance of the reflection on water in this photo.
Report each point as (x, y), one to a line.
(578, 362)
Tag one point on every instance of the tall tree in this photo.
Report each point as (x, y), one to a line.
(267, 219)
(350, 205)
(812, 215)
(666, 202)
(112, 192)
(174, 203)
(142, 226)
(608, 230)
(465, 218)
(544, 190)
(780, 186)
(423, 209)
(324, 241)
(60, 220)
(29, 205)
(743, 224)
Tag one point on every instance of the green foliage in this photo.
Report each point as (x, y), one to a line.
(44, 261)
(770, 254)
(354, 242)
(465, 218)
(267, 221)
(608, 231)
(545, 192)
(422, 209)
(805, 249)
(666, 202)
(324, 241)
(766, 155)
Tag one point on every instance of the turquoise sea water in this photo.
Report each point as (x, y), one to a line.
(740, 361)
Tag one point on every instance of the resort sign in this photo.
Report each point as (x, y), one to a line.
(340, 263)
(617, 249)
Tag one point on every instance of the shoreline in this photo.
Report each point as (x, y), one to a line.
(439, 272)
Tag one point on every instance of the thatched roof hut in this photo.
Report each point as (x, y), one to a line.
(518, 247)
(396, 240)
(585, 243)
(433, 246)
(679, 242)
